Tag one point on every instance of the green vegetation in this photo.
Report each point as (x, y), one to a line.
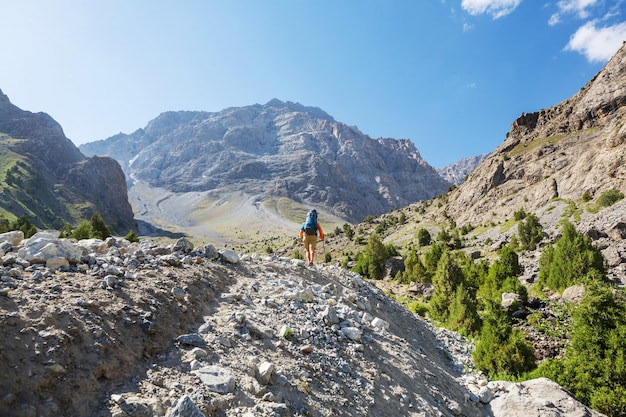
(502, 349)
(571, 260)
(423, 237)
(529, 232)
(22, 223)
(610, 197)
(131, 236)
(535, 144)
(95, 228)
(467, 298)
(371, 262)
(594, 366)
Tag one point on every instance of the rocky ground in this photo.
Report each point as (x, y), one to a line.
(96, 328)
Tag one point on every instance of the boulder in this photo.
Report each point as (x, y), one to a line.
(14, 237)
(93, 245)
(538, 397)
(38, 249)
(574, 293)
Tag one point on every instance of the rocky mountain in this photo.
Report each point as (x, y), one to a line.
(279, 150)
(456, 172)
(47, 178)
(575, 148)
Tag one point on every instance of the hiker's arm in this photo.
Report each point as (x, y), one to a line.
(319, 227)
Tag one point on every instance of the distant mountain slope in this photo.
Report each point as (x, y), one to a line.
(271, 151)
(43, 175)
(456, 172)
(576, 147)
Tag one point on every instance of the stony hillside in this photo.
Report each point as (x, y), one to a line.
(276, 151)
(576, 147)
(44, 176)
(111, 328)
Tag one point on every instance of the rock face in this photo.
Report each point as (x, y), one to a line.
(148, 330)
(272, 151)
(456, 172)
(49, 179)
(573, 148)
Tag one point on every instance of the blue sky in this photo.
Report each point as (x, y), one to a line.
(451, 75)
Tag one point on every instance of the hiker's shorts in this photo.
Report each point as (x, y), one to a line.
(310, 240)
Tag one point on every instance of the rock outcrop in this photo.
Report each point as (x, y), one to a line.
(573, 148)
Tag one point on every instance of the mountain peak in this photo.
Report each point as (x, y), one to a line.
(314, 112)
(277, 150)
(3, 97)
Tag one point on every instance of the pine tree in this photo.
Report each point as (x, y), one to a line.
(447, 278)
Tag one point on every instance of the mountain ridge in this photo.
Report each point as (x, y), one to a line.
(559, 152)
(47, 178)
(274, 151)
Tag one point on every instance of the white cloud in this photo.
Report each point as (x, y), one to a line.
(496, 8)
(597, 44)
(578, 7)
(554, 19)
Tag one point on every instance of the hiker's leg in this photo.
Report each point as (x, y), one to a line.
(313, 244)
(306, 250)
(308, 246)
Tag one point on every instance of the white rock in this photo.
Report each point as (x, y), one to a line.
(93, 245)
(216, 379)
(380, 323)
(264, 373)
(229, 256)
(352, 333)
(56, 263)
(14, 237)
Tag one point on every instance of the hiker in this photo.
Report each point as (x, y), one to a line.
(308, 232)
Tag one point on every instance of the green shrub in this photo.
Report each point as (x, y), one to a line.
(82, 231)
(414, 269)
(530, 232)
(502, 349)
(502, 277)
(462, 314)
(24, 224)
(419, 308)
(423, 237)
(447, 278)
(519, 215)
(347, 229)
(99, 230)
(609, 197)
(571, 260)
(371, 263)
(132, 236)
(593, 368)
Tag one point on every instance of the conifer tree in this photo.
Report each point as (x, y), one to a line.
(445, 282)
(571, 260)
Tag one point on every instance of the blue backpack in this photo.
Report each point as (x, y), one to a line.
(310, 226)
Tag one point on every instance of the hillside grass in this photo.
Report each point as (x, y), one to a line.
(548, 140)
